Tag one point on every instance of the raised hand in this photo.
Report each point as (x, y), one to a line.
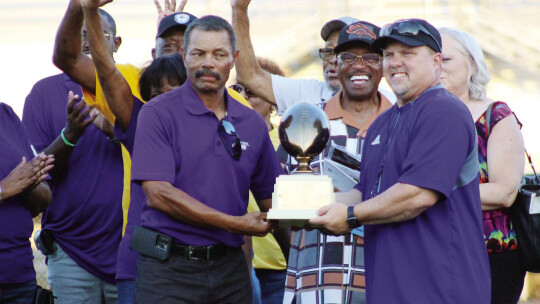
(94, 3)
(243, 4)
(168, 8)
(78, 118)
(26, 175)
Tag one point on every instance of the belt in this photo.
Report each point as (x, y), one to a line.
(204, 253)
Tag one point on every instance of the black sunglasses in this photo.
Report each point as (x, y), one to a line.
(406, 28)
(230, 139)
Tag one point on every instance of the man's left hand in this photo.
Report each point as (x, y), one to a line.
(333, 217)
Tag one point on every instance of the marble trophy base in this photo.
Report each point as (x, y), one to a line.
(297, 198)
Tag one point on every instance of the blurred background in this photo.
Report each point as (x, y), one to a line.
(289, 33)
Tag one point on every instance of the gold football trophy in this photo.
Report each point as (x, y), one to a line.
(304, 132)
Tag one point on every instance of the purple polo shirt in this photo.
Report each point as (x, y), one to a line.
(439, 256)
(126, 265)
(85, 214)
(177, 141)
(15, 220)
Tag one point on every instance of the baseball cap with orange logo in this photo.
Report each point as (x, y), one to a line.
(336, 25)
(363, 33)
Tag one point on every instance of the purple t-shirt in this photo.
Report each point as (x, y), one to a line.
(177, 141)
(85, 214)
(126, 265)
(439, 256)
(15, 220)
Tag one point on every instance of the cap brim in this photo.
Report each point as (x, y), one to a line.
(381, 42)
(183, 26)
(330, 27)
(356, 42)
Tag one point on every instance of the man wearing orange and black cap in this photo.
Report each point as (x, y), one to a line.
(338, 261)
(279, 90)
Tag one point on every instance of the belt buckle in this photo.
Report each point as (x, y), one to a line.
(192, 256)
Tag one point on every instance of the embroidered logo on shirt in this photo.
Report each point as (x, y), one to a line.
(376, 141)
(244, 145)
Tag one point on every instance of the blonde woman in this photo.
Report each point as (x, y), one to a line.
(465, 74)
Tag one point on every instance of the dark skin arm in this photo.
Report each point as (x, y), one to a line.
(75, 126)
(115, 87)
(26, 180)
(67, 54)
(179, 205)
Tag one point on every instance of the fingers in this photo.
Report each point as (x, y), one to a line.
(323, 210)
(158, 6)
(71, 102)
(181, 6)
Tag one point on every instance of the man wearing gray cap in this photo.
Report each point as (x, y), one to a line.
(418, 195)
(279, 90)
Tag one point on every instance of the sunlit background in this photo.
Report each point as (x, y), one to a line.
(288, 31)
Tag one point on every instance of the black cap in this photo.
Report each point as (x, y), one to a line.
(391, 32)
(363, 33)
(181, 20)
(335, 25)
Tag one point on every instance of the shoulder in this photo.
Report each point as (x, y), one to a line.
(126, 68)
(8, 112)
(238, 97)
(441, 101)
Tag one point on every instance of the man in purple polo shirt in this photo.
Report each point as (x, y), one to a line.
(197, 154)
(85, 215)
(419, 191)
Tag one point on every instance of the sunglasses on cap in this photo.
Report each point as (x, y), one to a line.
(230, 138)
(406, 28)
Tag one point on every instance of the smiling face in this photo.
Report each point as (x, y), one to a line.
(330, 66)
(209, 59)
(456, 67)
(359, 80)
(410, 70)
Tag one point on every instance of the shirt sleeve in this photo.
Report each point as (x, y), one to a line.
(130, 73)
(290, 91)
(443, 139)
(127, 136)
(21, 133)
(153, 157)
(267, 170)
(34, 119)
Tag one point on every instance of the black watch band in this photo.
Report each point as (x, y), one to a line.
(351, 219)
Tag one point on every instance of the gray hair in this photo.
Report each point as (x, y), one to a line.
(479, 75)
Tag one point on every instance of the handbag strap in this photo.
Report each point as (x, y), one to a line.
(488, 125)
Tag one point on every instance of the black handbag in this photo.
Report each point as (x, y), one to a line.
(43, 296)
(525, 224)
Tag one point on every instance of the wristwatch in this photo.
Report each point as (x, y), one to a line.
(351, 219)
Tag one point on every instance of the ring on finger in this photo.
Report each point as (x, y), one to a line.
(42, 171)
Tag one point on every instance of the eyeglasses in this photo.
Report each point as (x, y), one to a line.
(242, 90)
(350, 58)
(326, 54)
(85, 35)
(407, 28)
(230, 139)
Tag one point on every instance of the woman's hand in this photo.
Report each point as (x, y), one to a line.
(26, 176)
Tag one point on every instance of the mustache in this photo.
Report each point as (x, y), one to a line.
(207, 72)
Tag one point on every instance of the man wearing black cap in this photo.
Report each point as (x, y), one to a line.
(419, 190)
(170, 35)
(279, 90)
(339, 259)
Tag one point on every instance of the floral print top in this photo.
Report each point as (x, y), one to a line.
(498, 230)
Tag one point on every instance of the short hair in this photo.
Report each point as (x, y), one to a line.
(210, 23)
(109, 19)
(171, 66)
(479, 75)
(270, 66)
